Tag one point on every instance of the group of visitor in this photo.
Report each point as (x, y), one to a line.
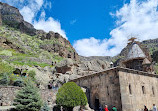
(115, 109)
(154, 108)
(106, 108)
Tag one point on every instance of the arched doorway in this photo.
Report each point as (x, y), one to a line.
(96, 102)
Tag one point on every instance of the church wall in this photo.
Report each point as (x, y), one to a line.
(103, 86)
(138, 89)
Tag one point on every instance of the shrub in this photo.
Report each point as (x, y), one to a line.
(28, 98)
(45, 107)
(5, 68)
(71, 95)
(32, 74)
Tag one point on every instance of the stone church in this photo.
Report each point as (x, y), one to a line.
(128, 87)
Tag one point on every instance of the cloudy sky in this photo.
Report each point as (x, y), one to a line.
(94, 27)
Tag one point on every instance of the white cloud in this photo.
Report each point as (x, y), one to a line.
(29, 9)
(138, 18)
(27, 13)
(49, 25)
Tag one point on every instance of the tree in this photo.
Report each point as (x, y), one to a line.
(5, 80)
(45, 107)
(28, 98)
(71, 95)
(19, 82)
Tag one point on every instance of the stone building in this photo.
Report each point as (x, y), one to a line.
(128, 88)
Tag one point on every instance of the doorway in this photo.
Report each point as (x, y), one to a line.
(96, 104)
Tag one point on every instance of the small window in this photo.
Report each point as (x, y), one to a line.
(103, 67)
(143, 89)
(153, 90)
(130, 91)
(107, 90)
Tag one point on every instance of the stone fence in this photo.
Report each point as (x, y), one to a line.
(7, 95)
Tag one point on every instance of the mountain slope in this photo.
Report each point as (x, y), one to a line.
(22, 37)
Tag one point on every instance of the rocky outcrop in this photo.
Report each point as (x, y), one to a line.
(68, 69)
(107, 58)
(12, 17)
(26, 27)
(6, 44)
(60, 45)
(55, 42)
(150, 41)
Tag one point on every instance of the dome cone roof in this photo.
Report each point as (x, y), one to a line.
(135, 52)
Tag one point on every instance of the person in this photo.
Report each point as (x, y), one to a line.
(81, 109)
(154, 107)
(106, 108)
(114, 108)
(100, 108)
(145, 108)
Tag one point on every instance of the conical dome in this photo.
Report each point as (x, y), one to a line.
(135, 52)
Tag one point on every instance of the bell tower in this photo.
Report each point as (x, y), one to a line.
(137, 58)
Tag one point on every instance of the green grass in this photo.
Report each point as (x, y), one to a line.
(30, 45)
(30, 63)
(5, 67)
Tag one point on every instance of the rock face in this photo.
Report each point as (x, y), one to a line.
(60, 45)
(6, 44)
(12, 17)
(55, 43)
(107, 58)
(68, 69)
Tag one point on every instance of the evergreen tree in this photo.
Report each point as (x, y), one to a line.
(5, 80)
(71, 95)
(45, 107)
(28, 98)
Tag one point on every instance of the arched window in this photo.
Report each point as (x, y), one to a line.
(153, 90)
(143, 89)
(130, 90)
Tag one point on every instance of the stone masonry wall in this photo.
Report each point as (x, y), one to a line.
(103, 86)
(138, 89)
(7, 95)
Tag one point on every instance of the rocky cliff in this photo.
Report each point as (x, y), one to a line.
(12, 17)
(53, 42)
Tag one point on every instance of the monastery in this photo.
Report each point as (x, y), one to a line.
(129, 86)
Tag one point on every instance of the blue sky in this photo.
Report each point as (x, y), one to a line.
(94, 27)
(85, 18)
